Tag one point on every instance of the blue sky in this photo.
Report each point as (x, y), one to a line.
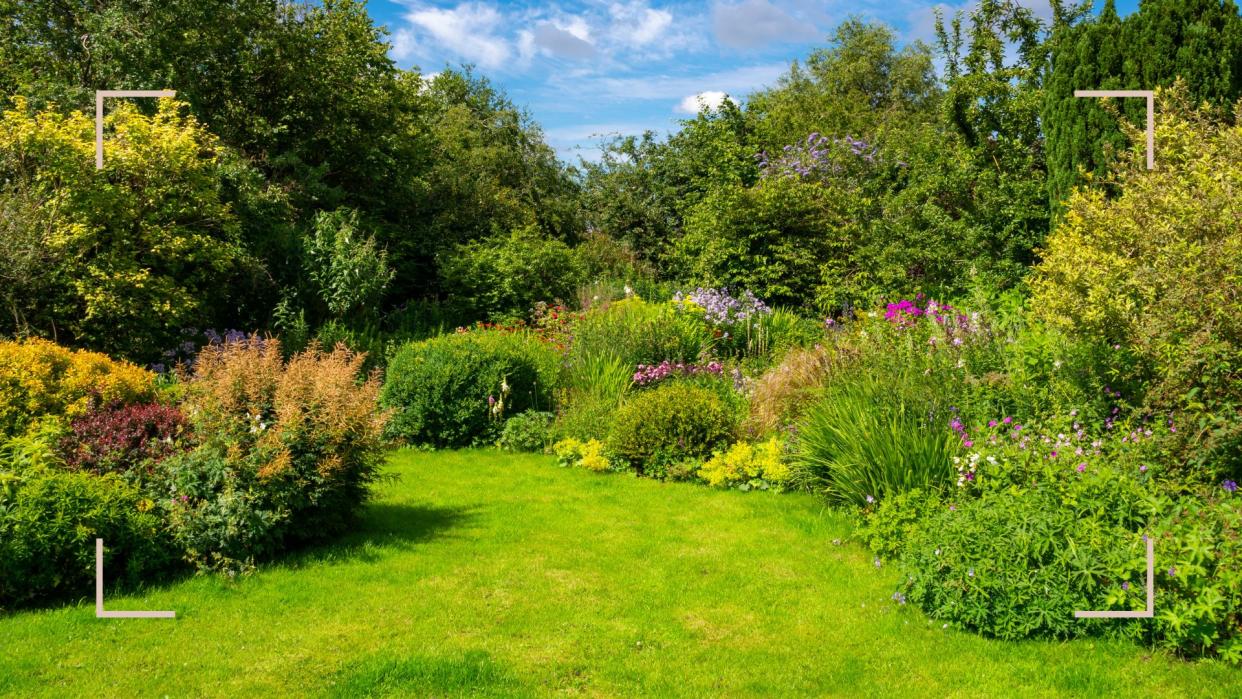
(588, 68)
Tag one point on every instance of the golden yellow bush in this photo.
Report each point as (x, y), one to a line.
(40, 379)
(746, 463)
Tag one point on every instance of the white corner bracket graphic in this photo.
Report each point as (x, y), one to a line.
(1151, 594)
(100, 613)
(99, 102)
(1151, 114)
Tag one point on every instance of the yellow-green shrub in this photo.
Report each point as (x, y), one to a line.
(142, 248)
(40, 379)
(748, 465)
(588, 454)
(1152, 277)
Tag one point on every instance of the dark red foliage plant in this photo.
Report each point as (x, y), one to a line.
(120, 439)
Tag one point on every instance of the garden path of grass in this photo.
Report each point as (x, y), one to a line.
(484, 574)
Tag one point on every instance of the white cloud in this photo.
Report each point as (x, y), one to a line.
(637, 25)
(404, 45)
(712, 99)
(756, 23)
(469, 30)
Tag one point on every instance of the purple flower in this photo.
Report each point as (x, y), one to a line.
(870, 499)
(1125, 586)
(1229, 486)
(1143, 468)
(991, 423)
(1172, 571)
(900, 598)
(1082, 468)
(1008, 420)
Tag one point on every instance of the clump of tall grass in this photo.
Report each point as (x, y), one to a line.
(872, 435)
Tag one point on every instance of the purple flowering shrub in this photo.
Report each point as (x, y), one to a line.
(1043, 521)
(819, 157)
(722, 309)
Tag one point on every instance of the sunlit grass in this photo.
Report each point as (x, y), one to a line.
(483, 574)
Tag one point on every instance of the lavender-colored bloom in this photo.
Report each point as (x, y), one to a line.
(1229, 486)
(1125, 586)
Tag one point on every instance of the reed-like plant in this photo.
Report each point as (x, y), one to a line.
(872, 435)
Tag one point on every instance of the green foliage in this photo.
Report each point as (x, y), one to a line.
(860, 85)
(1151, 279)
(1200, 593)
(1196, 41)
(49, 521)
(591, 389)
(528, 431)
(348, 270)
(872, 437)
(147, 246)
(639, 332)
(771, 239)
(675, 421)
(455, 390)
(502, 278)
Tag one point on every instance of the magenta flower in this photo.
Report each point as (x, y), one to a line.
(1082, 468)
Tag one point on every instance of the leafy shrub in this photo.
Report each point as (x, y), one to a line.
(502, 278)
(672, 422)
(455, 390)
(1153, 275)
(869, 437)
(124, 439)
(40, 379)
(1199, 581)
(348, 269)
(289, 450)
(748, 466)
(575, 453)
(145, 248)
(1046, 522)
(592, 387)
(528, 431)
(638, 332)
(49, 521)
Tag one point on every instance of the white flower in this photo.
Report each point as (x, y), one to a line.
(1056, 364)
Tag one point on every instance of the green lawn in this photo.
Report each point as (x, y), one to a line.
(482, 574)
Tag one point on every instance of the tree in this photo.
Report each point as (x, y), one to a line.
(1199, 41)
(855, 86)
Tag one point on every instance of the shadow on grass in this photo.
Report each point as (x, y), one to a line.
(380, 526)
